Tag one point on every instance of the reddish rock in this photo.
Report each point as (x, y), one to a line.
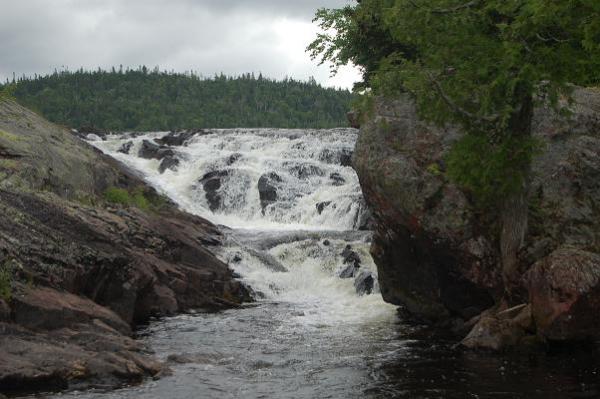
(43, 308)
(438, 255)
(564, 291)
(500, 329)
(84, 271)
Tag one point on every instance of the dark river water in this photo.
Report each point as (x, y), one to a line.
(257, 352)
(311, 333)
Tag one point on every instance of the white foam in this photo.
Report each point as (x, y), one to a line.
(312, 279)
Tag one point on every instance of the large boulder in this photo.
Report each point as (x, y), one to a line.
(150, 150)
(437, 255)
(267, 188)
(564, 291)
(178, 138)
(83, 271)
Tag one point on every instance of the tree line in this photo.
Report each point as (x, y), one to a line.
(152, 100)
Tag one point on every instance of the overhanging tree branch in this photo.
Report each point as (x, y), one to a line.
(457, 108)
(447, 10)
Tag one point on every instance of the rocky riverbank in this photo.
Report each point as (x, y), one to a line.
(88, 251)
(438, 255)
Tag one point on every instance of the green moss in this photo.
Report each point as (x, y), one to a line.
(9, 136)
(434, 169)
(139, 200)
(116, 195)
(137, 197)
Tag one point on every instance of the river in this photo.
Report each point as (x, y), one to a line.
(294, 217)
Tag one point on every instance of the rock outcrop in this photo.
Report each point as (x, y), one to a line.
(438, 256)
(82, 272)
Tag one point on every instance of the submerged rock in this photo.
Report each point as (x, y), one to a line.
(305, 171)
(364, 283)
(337, 179)
(346, 158)
(168, 162)
(125, 147)
(321, 206)
(341, 157)
(233, 158)
(351, 257)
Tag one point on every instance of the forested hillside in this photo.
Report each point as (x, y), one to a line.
(153, 100)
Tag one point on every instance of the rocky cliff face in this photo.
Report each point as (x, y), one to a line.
(439, 257)
(78, 273)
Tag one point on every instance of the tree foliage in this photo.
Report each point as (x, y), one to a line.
(146, 100)
(481, 64)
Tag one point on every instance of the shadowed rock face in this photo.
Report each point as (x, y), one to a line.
(85, 272)
(439, 258)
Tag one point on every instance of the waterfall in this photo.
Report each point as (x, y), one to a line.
(290, 203)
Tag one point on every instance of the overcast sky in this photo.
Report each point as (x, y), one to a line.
(207, 36)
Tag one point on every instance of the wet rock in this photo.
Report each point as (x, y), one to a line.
(501, 330)
(321, 206)
(150, 150)
(306, 171)
(125, 147)
(268, 260)
(352, 261)
(267, 188)
(365, 220)
(233, 159)
(364, 283)
(346, 158)
(337, 179)
(168, 162)
(174, 139)
(96, 133)
(564, 292)
(341, 157)
(212, 182)
(351, 257)
(349, 271)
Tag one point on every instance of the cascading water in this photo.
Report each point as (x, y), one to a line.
(262, 182)
(319, 328)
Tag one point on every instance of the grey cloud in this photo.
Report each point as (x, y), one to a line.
(208, 36)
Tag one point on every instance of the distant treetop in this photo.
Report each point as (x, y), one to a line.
(152, 100)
